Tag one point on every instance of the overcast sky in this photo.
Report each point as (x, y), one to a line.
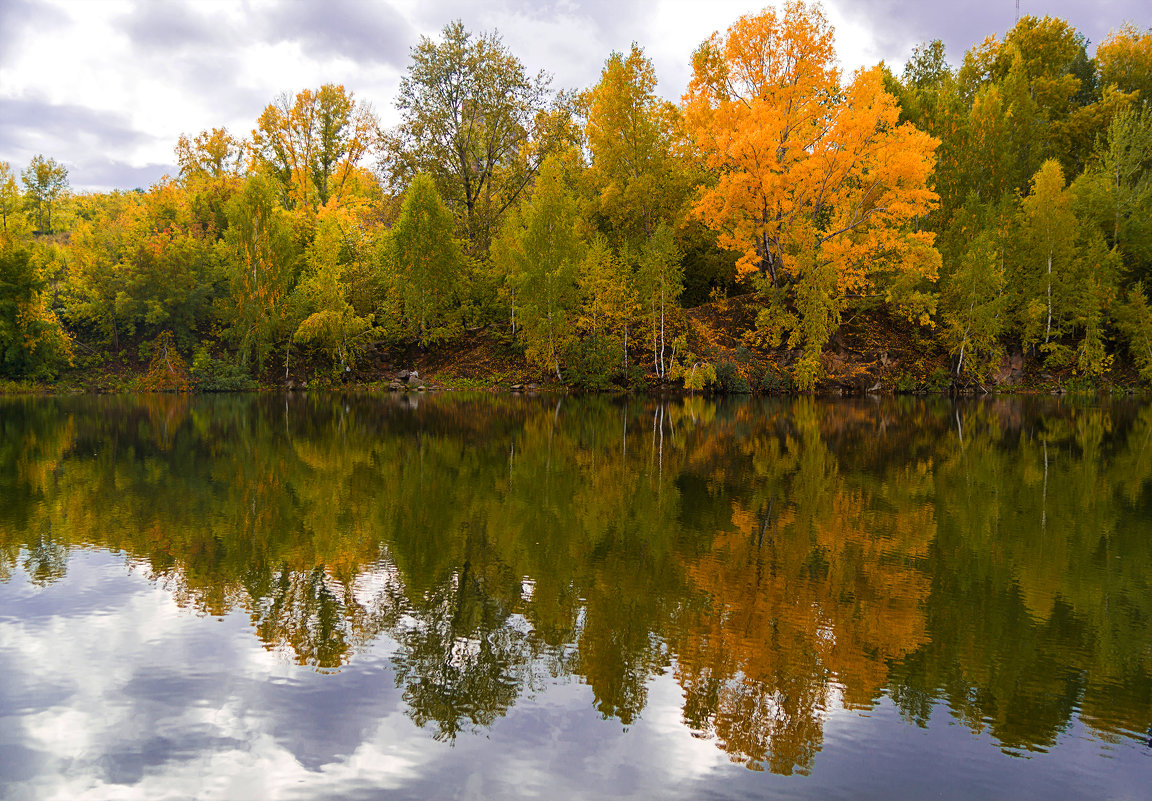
(107, 86)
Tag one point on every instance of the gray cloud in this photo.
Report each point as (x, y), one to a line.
(103, 174)
(17, 17)
(61, 131)
(354, 29)
(171, 26)
(49, 125)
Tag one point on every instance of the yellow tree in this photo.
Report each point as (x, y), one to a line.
(211, 154)
(1124, 60)
(312, 143)
(636, 181)
(1050, 230)
(10, 199)
(816, 183)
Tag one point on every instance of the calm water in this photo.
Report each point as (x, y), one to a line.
(503, 597)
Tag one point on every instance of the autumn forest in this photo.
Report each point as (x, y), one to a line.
(986, 207)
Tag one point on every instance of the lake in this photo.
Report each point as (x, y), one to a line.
(449, 596)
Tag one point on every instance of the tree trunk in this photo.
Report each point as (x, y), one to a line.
(1048, 330)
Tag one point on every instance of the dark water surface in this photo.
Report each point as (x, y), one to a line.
(501, 597)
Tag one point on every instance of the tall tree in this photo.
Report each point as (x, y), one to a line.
(630, 132)
(45, 183)
(426, 262)
(1124, 60)
(1050, 231)
(260, 258)
(337, 253)
(1115, 192)
(544, 251)
(313, 143)
(816, 184)
(973, 304)
(660, 279)
(210, 154)
(474, 121)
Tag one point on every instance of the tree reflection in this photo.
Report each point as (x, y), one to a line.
(781, 558)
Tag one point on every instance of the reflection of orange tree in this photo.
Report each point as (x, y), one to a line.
(810, 596)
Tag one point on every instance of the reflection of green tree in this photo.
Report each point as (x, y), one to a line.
(462, 658)
(1032, 615)
(780, 557)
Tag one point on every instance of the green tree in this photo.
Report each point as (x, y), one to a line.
(33, 344)
(974, 305)
(1115, 191)
(96, 286)
(45, 183)
(1134, 319)
(541, 255)
(636, 181)
(337, 253)
(474, 121)
(1049, 230)
(260, 258)
(427, 263)
(609, 298)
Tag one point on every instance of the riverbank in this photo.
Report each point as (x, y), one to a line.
(871, 353)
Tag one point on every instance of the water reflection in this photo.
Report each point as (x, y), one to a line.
(780, 559)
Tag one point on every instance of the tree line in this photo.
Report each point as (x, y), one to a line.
(1000, 206)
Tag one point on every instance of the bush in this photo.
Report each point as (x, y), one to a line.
(776, 381)
(594, 363)
(214, 375)
(939, 380)
(729, 378)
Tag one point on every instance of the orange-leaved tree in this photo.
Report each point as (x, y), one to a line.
(816, 183)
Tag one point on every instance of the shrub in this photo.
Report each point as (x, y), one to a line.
(214, 375)
(730, 379)
(776, 381)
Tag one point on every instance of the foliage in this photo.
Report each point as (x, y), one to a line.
(594, 362)
(260, 256)
(818, 185)
(311, 144)
(636, 180)
(775, 381)
(660, 280)
(167, 371)
(473, 121)
(337, 256)
(10, 200)
(540, 253)
(1134, 319)
(1003, 202)
(730, 379)
(45, 184)
(210, 374)
(426, 263)
(33, 344)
